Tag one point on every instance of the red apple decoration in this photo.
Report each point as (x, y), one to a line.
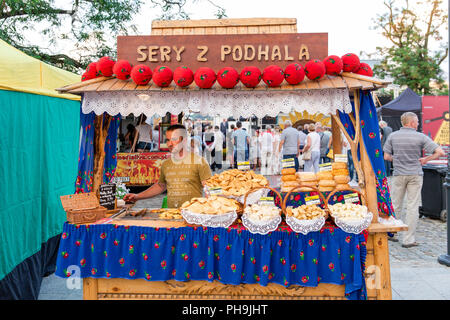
(250, 76)
(294, 73)
(315, 69)
(205, 77)
(141, 74)
(227, 77)
(183, 76)
(91, 70)
(105, 66)
(333, 65)
(86, 76)
(351, 62)
(365, 70)
(273, 76)
(122, 69)
(162, 76)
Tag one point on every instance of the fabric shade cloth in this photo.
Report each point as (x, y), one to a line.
(20, 72)
(221, 102)
(229, 255)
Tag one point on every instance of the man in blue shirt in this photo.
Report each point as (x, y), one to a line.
(240, 140)
(290, 142)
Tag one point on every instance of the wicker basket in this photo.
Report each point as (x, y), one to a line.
(263, 227)
(354, 226)
(306, 226)
(82, 208)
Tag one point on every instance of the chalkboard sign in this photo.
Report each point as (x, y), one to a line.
(108, 196)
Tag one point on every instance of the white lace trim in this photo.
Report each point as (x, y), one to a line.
(222, 103)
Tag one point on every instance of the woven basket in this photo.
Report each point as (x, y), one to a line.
(355, 226)
(82, 208)
(263, 227)
(306, 226)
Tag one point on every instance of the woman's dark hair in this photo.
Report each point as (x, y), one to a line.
(130, 127)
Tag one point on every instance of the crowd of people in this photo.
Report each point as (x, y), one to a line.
(263, 147)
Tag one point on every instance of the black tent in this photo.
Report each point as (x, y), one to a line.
(407, 101)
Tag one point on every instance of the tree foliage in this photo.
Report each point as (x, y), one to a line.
(89, 27)
(410, 60)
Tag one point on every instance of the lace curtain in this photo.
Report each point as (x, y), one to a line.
(222, 103)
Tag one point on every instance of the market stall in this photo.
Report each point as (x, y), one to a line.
(172, 257)
(38, 152)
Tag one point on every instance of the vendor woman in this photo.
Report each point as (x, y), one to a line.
(182, 175)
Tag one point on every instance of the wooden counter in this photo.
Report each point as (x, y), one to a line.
(378, 279)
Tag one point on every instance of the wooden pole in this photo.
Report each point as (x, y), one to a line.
(336, 136)
(101, 125)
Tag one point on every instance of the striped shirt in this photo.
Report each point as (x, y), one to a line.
(405, 146)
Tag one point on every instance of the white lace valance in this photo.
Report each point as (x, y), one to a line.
(222, 103)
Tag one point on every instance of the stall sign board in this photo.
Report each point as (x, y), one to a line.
(288, 163)
(266, 201)
(325, 166)
(139, 168)
(108, 196)
(218, 51)
(340, 158)
(215, 191)
(351, 198)
(312, 200)
(244, 165)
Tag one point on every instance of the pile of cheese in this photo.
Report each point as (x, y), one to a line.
(348, 211)
(288, 179)
(260, 213)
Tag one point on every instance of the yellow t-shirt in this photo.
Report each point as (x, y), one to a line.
(184, 178)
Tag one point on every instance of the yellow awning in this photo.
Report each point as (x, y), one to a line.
(20, 72)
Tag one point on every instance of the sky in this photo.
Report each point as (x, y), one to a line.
(349, 23)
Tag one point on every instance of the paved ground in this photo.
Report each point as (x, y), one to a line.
(415, 272)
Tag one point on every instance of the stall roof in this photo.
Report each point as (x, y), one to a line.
(349, 81)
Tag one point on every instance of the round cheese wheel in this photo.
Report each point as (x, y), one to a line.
(288, 171)
(327, 183)
(342, 179)
(326, 189)
(338, 165)
(324, 175)
(340, 172)
(289, 184)
(308, 183)
(306, 176)
(289, 177)
(343, 186)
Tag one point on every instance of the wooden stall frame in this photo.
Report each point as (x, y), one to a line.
(377, 261)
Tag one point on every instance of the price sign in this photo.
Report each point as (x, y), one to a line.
(325, 167)
(312, 200)
(108, 196)
(351, 198)
(266, 201)
(244, 165)
(215, 190)
(288, 163)
(340, 158)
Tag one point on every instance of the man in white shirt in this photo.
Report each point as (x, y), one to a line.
(266, 147)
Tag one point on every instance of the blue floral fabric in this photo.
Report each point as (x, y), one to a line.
(371, 136)
(110, 162)
(230, 255)
(86, 156)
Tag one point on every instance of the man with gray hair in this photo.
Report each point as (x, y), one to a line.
(289, 143)
(404, 148)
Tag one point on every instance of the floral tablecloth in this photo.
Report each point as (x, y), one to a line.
(230, 255)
